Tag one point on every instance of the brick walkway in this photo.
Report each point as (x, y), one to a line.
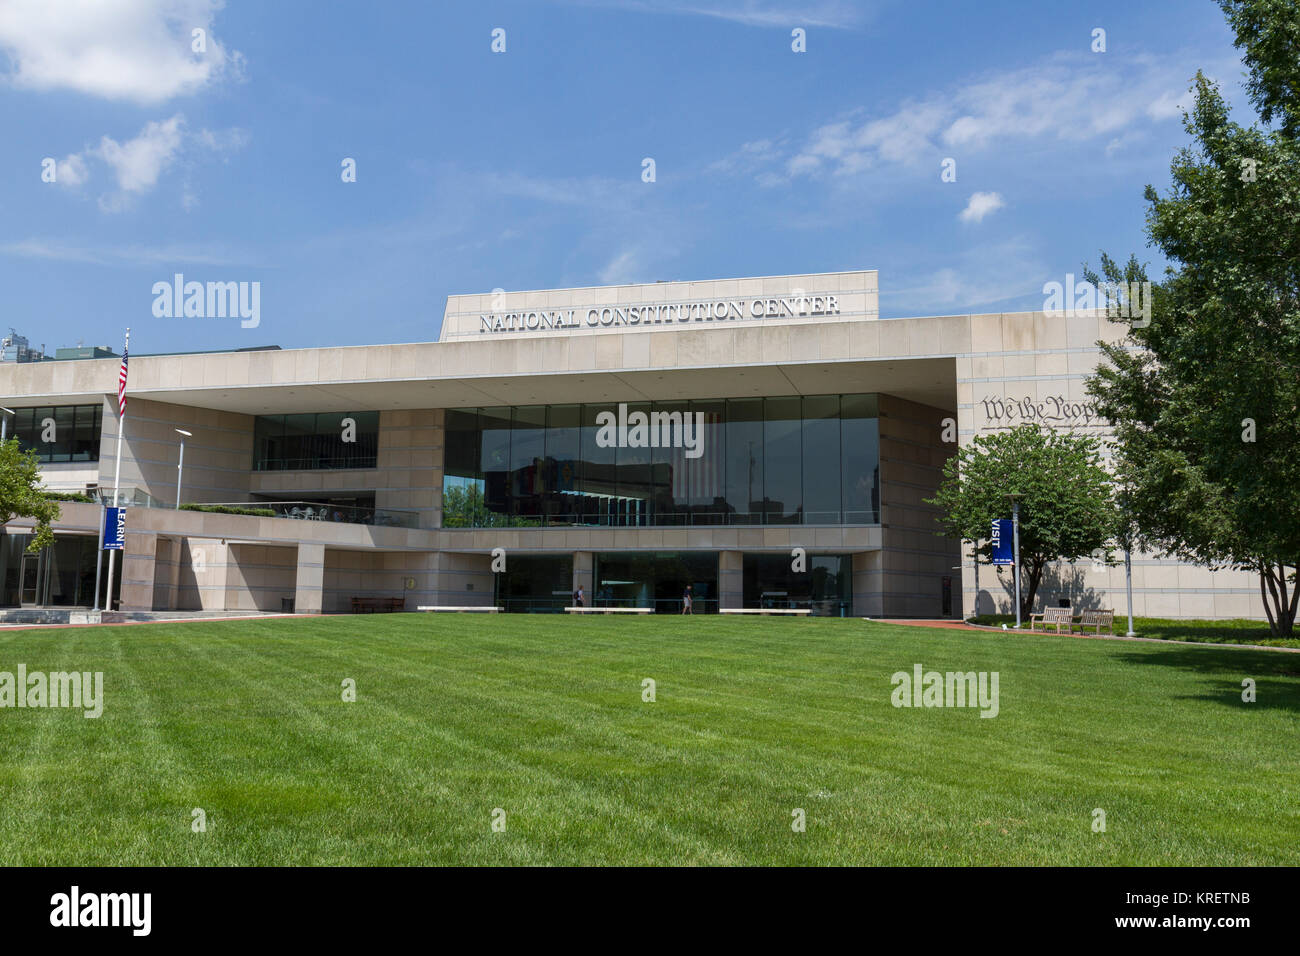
(937, 622)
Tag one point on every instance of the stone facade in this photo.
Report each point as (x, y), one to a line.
(982, 372)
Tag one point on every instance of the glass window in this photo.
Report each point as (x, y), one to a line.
(860, 460)
(314, 441)
(782, 461)
(563, 464)
(536, 583)
(656, 579)
(636, 483)
(708, 499)
(825, 587)
(821, 459)
(786, 460)
(494, 461)
(744, 457)
(599, 474)
(527, 454)
(58, 433)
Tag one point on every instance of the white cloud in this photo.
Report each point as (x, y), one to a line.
(980, 205)
(622, 269)
(835, 14)
(139, 163)
(60, 251)
(136, 50)
(980, 277)
(71, 171)
(1069, 98)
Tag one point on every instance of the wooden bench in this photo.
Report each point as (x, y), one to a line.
(461, 608)
(609, 610)
(374, 605)
(766, 610)
(1097, 620)
(1056, 617)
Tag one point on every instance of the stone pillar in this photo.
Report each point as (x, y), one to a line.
(309, 590)
(178, 546)
(731, 579)
(138, 561)
(868, 580)
(583, 562)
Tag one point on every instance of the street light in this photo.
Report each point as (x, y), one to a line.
(4, 421)
(181, 463)
(1015, 538)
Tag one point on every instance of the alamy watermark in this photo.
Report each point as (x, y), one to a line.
(74, 690)
(212, 300)
(683, 430)
(1121, 300)
(923, 688)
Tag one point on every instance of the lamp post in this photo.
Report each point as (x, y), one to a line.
(180, 464)
(1128, 585)
(4, 421)
(1015, 540)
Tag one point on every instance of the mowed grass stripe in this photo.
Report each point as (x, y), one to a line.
(544, 717)
(488, 751)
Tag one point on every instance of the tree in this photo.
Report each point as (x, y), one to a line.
(1205, 400)
(22, 494)
(1066, 501)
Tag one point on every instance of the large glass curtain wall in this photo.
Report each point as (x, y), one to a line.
(792, 460)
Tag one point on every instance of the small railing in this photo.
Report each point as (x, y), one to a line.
(130, 498)
(321, 511)
(316, 463)
(656, 519)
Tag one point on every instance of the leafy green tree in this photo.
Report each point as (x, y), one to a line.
(1205, 400)
(463, 507)
(22, 494)
(1066, 500)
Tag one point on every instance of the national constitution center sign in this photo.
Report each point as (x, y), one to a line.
(790, 306)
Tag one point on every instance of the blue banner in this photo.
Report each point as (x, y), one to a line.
(1000, 534)
(114, 529)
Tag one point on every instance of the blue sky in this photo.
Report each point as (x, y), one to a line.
(521, 170)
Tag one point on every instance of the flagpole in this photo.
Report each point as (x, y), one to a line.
(117, 478)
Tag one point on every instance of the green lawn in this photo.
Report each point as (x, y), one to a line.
(1232, 631)
(543, 717)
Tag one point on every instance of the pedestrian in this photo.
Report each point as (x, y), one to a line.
(686, 601)
(578, 597)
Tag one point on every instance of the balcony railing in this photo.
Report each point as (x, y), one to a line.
(318, 511)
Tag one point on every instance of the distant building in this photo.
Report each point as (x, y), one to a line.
(84, 352)
(15, 348)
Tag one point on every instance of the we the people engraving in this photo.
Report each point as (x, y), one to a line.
(1054, 410)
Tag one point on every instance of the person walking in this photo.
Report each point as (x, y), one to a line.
(687, 603)
(578, 597)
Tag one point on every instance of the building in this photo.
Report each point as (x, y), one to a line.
(16, 348)
(768, 441)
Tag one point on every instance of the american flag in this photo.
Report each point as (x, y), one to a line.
(121, 382)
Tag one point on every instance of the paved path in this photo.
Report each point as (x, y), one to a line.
(963, 626)
(935, 622)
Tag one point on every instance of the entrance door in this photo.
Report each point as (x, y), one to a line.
(29, 579)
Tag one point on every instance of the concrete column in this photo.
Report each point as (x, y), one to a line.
(309, 589)
(868, 585)
(178, 546)
(731, 579)
(583, 566)
(138, 565)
